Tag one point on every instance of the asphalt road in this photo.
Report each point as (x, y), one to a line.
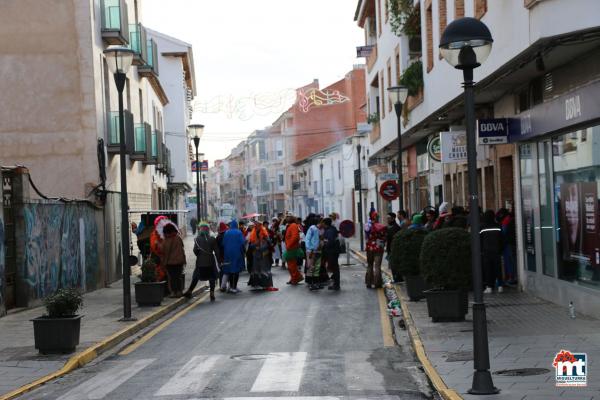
(288, 344)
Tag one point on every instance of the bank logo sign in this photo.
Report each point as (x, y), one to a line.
(571, 368)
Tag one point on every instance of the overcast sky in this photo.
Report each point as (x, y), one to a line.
(250, 55)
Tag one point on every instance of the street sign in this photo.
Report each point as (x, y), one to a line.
(387, 177)
(389, 190)
(203, 166)
(347, 228)
(493, 130)
(454, 147)
(364, 51)
(434, 148)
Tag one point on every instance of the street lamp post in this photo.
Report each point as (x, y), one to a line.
(360, 203)
(398, 95)
(119, 60)
(196, 130)
(204, 199)
(465, 44)
(322, 188)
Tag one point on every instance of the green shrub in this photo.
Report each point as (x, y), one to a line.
(148, 270)
(63, 303)
(446, 259)
(412, 78)
(406, 251)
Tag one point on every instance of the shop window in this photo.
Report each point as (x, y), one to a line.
(576, 182)
(527, 187)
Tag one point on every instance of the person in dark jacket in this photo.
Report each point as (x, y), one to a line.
(491, 251)
(206, 250)
(331, 250)
(392, 229)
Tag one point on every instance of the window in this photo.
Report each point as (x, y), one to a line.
(141, 101)
(280, 178)
(397, 57)
(264, 185)
(279, 149)
(328, 186)
(429, 28)
(480, 8)
(443, 18)
(315, 188)
(262, 152)
(459, 9)
(339, 169)
(389, 77)
(382, 85)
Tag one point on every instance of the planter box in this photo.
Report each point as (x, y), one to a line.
(149, 293)
(415, 285)
(56, 335)
(447, 305)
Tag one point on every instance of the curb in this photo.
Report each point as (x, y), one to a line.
(91, 353)
(434, 377)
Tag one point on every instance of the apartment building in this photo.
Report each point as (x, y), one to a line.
(62, 121)
(540, 85)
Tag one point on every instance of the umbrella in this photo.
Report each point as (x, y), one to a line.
(250, 216)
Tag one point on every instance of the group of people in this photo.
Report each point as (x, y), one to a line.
(497, 233)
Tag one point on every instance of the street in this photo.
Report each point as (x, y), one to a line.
(287, 344)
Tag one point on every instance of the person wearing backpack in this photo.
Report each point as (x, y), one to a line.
(331, 250)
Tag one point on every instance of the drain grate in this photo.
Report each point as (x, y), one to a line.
(459, 356)
(522, 372)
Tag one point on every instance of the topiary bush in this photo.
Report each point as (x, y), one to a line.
(63, 303)
(446, 259)
(148, 270)
(406, 252)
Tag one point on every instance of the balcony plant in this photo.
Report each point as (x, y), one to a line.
(446, 266)
(412, 78)
(373, 118)
(57, 332)
(405, 261)
(149, 292)
(405, 18)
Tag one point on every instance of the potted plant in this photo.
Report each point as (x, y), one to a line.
(149, 292)
(373, 118)
(405, 262)
(57, 332)
(446, 266)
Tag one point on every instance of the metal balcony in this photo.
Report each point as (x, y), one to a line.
(115, 22)
(141, 134)
(150, 68)
(137, 43)
(113, 136)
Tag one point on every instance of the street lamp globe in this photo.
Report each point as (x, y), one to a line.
(196, 130)
(118, 59)
(398, 94)
(466, 43)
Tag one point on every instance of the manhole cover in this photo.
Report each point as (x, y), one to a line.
(522, 371)
(459, 356)
(251, 357)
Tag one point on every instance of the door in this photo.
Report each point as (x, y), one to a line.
(528, 200)
(10, 266)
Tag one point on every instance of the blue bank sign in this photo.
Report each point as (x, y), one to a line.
(496, 130)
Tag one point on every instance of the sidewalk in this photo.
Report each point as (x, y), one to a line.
(524, 332)
(20, 362)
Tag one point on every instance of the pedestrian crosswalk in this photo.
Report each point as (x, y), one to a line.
(206, 376)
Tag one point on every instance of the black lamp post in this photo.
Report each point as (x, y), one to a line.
(360, 203)
(398, 95)
(196, 130)
(465, 44)
(204, 200)
(119, 60)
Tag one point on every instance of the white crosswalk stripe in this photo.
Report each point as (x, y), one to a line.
(281, 372)
(190, 379)
(105, 382)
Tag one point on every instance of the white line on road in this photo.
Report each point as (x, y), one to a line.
(191, 378)
(360, 373)
(282, 372)
(105, 382)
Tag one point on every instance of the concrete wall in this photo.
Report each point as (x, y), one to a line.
(49, 122)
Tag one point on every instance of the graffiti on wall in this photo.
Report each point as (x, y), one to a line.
(60, 247)
(313, 97)
(2, 255)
